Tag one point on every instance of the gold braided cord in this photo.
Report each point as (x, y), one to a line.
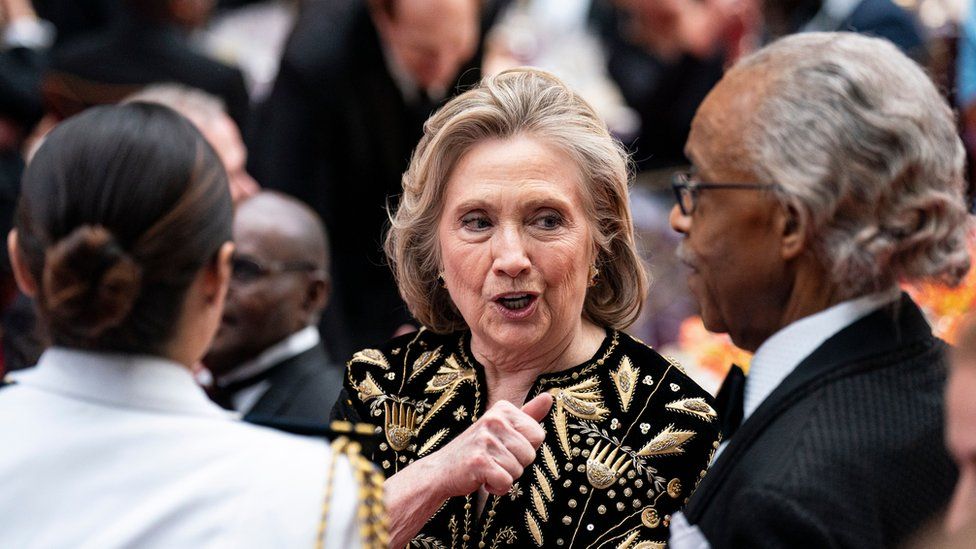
(372, 512)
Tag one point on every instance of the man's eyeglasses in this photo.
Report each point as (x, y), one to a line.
(245, 269)
(686, 189)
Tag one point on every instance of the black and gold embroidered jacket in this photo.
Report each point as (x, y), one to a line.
(628, 437)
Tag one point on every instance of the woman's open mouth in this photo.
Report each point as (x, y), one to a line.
(516, 302)
(516, 305)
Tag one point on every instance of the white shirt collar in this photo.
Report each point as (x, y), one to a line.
(779, 355)
(131, 381)
(295, 344)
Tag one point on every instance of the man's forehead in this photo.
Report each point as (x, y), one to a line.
(717, 133)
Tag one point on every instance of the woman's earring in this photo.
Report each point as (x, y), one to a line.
(594, 272)
(440, 279)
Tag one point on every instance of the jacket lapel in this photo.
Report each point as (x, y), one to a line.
(866, 344)
(286, 378)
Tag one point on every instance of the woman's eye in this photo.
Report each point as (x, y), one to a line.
(475, 222)
(549, 221)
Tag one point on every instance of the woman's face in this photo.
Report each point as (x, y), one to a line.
(516, 244)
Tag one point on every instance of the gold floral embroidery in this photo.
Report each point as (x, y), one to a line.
(371, 356)
(368, 389)
(550, 460)
(625, 379)
(539, 503)
(425, 359)
(449, 376)
(533, 528)
(651, 545)
(629, 540)
(650, 518)
(674, 488)
(582, 400)
(694, 406)
(667, 442)
(400, 424)
(543, 482)
(602, 470)
(432, 441)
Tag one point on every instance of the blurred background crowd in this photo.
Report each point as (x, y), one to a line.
(324, 100)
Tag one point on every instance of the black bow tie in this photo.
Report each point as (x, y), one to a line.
(729, 401)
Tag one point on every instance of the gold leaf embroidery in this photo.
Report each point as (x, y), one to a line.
(550, 460)
(603, 469)
(371, 356)
(674, 362)
(543, 482)
(448, 376)
(539, 503)
(582, 400)
(447, 379)
(651, 545)
(667, 442)
(432, 441)
(425, 359)
(368, 389)
(400, 424)
(625, 379)
(533, 528)
(562, 432)
(694, 406)
(631, 538)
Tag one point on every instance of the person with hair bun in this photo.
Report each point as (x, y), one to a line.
(123, 238)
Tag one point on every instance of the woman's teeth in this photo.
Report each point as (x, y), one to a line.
(515, 303)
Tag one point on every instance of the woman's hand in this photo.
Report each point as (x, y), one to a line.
(492, 453)
(494, 450)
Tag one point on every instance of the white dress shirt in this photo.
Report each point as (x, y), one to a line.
(107, 450)
(775, 359)
(293, 345)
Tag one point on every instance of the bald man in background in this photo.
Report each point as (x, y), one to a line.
(267, 359)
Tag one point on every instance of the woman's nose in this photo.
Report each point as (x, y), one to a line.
(508, 250)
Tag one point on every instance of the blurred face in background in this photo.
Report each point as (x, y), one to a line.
(430, 39)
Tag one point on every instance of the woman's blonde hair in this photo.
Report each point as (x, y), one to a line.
(536, 104)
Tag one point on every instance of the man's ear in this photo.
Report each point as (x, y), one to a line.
(317, 294)
(216, 280)
(793, 231)
(22, 274)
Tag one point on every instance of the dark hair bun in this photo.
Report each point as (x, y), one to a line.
(90, 283)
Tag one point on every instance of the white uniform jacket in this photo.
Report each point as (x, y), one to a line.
(105, 450)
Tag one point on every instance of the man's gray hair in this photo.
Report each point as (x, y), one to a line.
(197, 105)
(866, 152)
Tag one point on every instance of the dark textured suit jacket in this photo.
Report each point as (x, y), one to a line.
(847, 451)
(303, 389)
(337, 133)
(97, 68)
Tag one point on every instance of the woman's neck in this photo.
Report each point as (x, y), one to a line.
(510, 376)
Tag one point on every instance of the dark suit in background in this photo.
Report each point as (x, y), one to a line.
(106, 66)
(303, 389)
(337, 133)
(846, 452)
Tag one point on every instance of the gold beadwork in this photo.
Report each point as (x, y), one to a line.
(667, 442)
(602, 470)
(695, 407)
(400, 424)
(625, 380)
(371, 356)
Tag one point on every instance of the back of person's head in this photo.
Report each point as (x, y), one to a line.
(199, 106)
(121, 208)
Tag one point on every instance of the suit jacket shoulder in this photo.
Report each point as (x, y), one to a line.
(846, 452)
(303, 388)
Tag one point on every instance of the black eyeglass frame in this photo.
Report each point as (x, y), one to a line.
(684, 186)
(266, 269)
